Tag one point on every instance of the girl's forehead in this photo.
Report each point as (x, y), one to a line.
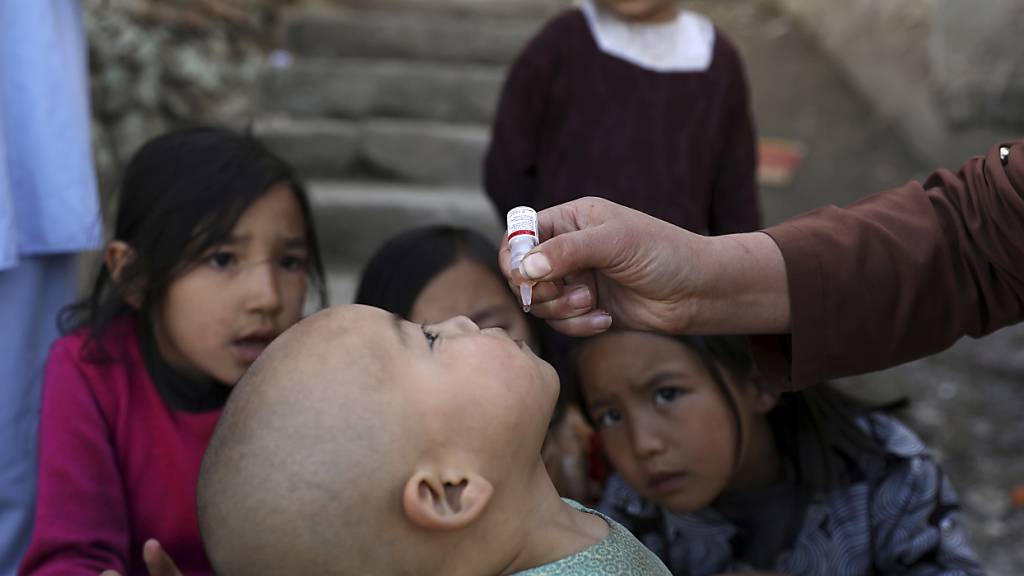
(636, 347)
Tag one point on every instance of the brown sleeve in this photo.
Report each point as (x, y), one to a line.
(905, 273)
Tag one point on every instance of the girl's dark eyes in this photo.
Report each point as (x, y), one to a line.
(293, 262)
(221, 259)
(226, 259)
(667, 394)
(431, 337)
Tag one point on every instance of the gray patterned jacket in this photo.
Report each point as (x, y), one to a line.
(903, 520)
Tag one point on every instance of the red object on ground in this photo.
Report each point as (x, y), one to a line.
(778, 160)
(1017, 496)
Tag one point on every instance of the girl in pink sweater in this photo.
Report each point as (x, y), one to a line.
(212, 257)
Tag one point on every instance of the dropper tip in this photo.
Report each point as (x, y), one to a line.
(526, 296)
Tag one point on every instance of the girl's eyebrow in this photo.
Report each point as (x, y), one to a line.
(287, 242)
(295, 242)
(642, 386)
(659, 378)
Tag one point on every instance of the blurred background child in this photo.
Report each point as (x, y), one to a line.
(715, 472)
(636, 101)
(212, 256)
(428, 275)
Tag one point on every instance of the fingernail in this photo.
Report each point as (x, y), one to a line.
(535, 266)
(601, 321)
(580, 297)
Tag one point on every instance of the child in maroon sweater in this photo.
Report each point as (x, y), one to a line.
(636, 101)
(211, 252)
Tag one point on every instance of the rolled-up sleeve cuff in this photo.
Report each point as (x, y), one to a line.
(808, 340)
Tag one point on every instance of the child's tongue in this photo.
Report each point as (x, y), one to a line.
(250, 348)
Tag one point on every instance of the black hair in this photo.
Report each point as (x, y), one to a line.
(401, 268)
(181, 194)
(816, 429)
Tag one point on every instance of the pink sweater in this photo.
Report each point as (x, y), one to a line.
(116, 465)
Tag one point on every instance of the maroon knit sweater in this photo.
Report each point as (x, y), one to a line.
(574, 121)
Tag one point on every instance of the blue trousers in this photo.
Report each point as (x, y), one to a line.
(31, 294)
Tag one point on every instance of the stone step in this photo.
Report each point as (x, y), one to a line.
(358, 88)
(508, 8)
(407, 36)
(353, 219)
(416, 151)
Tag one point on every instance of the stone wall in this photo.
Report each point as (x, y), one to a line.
(978, 61)
(491, 7)
(158, 64)
(946, 72)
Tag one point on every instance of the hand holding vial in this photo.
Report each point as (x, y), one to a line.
(598, 260)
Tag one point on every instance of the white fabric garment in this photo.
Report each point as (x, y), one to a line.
(685, 44)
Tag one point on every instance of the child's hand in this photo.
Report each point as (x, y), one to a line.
(158, 562)
(566, 455)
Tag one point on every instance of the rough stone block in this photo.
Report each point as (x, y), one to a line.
(384, 88)
(353, 219)
(517, 8)
(978, 63)
(316, 147)
(425, 152)
(399, 35)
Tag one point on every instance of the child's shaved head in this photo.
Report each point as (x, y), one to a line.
(277, 485)
(361, 444)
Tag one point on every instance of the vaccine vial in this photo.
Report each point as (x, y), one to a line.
(521, 227)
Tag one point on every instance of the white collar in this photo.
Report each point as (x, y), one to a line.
(685, 44)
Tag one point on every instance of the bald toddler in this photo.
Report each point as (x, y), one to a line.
(360, 443)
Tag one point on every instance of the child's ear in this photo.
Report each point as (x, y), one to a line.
(117, 256)
(445, 502)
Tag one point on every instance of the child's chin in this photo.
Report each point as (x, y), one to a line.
(682, 503)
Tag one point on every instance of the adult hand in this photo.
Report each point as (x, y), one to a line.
(600, 261)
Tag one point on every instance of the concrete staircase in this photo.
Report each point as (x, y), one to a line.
(386, 114)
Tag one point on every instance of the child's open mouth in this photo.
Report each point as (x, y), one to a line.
(249, 348)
